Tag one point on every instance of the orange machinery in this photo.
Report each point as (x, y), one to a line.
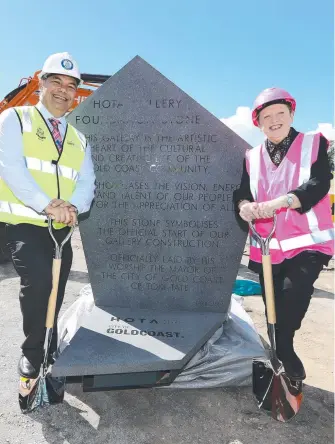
(27, 92)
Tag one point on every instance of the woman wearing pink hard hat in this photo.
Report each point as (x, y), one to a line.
(289, 174)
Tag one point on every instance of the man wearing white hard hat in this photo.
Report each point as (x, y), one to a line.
(289, 174)
(45, 170)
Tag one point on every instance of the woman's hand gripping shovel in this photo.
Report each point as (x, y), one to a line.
(273, 389)
(46, 389)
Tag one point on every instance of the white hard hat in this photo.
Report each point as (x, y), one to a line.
(61, 63)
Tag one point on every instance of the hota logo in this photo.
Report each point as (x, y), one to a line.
(40, 134)
(141, 320)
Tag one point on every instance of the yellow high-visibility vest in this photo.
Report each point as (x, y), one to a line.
(55, 174)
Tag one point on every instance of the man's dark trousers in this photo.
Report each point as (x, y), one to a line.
(32, 252)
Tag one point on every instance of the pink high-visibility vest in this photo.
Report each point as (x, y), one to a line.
(295, 232)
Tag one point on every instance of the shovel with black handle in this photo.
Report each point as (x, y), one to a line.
(46, 389)
(273, 389)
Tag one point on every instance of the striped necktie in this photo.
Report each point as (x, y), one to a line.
(56, 134)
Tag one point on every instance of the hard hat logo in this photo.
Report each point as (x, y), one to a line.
(67, 64)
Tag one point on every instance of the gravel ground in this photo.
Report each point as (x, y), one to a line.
(149, 416)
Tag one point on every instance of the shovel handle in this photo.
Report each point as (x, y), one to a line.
(58, 247)
(269, 291)
(267, 269)
(56, 265)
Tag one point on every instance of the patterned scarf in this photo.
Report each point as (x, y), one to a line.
(278, 151)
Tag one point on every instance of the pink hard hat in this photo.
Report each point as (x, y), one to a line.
(268, 97)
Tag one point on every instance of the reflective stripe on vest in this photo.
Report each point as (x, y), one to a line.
(316, 237)
(48, 167)
(20, 210)
(27, 124)
(255, 164)
(274, 245)
(304, 175)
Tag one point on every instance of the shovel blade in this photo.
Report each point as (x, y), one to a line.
(277, 394)
(27, 394)
(262, 379)
(45, 391)
(55, 389)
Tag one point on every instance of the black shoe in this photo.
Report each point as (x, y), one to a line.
(294, 368)
(26, 369)
(285, 352)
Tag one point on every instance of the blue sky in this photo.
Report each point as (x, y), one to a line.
(221, 53)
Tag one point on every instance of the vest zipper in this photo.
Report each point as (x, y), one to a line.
(58, 186)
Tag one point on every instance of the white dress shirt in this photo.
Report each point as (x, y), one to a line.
(15, 173)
